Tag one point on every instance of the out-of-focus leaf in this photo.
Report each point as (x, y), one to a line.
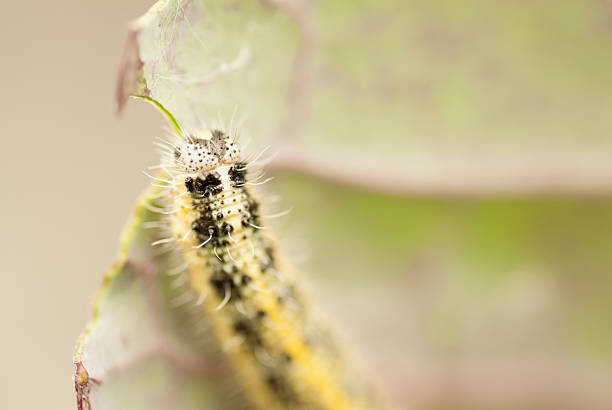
(142, 351)
(491, 304)
(502, 288)
(497, 304)
(203, 59)
(415, 81)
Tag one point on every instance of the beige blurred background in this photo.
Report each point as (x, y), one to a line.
(477, 303)
(72, 171)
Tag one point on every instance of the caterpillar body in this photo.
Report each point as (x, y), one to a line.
(283, 356)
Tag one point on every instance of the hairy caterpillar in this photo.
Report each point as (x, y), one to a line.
(282, 354)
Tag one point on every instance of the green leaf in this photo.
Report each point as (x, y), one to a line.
(438, 293)
(411, 81)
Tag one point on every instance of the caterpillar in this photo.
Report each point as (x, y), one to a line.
(284, 357)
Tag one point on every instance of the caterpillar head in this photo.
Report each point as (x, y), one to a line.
(205, 151)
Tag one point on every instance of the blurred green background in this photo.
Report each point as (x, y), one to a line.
(494, 304)
(487, 301)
